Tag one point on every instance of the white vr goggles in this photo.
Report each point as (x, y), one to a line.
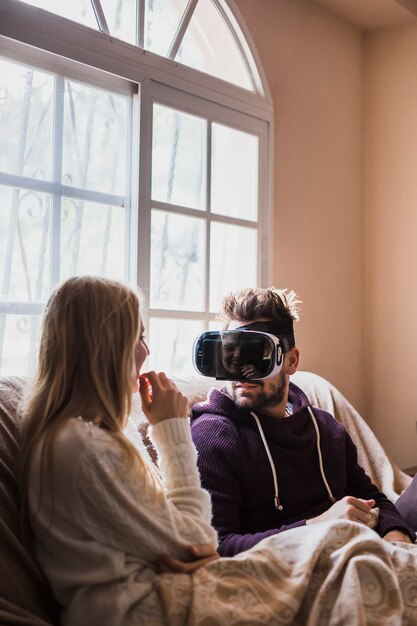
(251, 352)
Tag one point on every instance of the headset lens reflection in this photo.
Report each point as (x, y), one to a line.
(234, 355)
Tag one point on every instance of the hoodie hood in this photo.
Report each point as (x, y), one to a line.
(220, 403)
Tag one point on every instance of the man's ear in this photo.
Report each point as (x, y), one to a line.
(293, 357)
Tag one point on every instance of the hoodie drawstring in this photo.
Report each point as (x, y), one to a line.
(323, 475)
(277, 503)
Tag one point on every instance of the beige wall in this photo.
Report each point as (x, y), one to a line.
(390, 122)
(345, 202)
(313, 64)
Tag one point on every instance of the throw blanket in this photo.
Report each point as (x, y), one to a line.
(334, 573)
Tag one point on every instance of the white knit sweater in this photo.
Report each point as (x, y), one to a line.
(108, 526)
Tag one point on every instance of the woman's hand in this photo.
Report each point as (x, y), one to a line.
(161, 399)
(250, 371)
(202, 555)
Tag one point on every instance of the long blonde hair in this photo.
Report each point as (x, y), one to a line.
(85, 367)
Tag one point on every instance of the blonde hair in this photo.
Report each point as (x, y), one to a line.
(255, 302)
(85, 366)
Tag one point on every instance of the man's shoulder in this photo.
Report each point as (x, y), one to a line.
(328, 421)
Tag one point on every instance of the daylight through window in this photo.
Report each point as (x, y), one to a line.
(145, 168)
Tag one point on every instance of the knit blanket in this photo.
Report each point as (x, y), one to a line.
(335, 574)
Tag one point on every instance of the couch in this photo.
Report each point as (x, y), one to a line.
(25, 597)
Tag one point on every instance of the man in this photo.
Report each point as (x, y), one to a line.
(271, 461)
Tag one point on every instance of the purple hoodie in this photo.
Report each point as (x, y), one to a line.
(236, 470)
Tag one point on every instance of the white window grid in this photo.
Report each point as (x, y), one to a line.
(57, 190)
(153, 92)
(93, 58)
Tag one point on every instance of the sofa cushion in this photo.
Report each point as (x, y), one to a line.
(25, 597)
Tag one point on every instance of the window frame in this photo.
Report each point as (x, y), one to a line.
(45, 31)
(155, 92)
(58, 45)
(62, 70)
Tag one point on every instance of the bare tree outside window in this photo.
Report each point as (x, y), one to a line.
(68, 202)
(91, 142)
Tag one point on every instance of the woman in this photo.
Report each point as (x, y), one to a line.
(102, 515)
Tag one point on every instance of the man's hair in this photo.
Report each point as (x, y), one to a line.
(254, 302)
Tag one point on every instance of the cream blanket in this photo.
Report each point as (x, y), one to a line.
(335, 573)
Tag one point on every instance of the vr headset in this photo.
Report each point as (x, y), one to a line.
(251, 352)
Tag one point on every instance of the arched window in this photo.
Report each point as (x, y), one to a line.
(136, 142)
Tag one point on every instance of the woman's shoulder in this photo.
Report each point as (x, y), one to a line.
(83, 449)
(75, 448)
(78, 437)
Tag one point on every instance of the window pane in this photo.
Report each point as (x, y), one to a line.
(177, 261)
(234, 170)
(94, 147)
(18, 344)
(178, 159)
(209, 46)
(171, 343)
(233, 260)
(24, 244)
(92, 239)
(162, 18)
(121, 18)
(26, 118)
(77, 10)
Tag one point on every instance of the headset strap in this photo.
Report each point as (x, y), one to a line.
(283, 329)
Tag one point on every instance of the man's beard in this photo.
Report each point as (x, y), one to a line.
(273, 397)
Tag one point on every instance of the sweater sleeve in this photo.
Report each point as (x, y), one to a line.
(131, 511)
(220, 459)
(360, 485)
